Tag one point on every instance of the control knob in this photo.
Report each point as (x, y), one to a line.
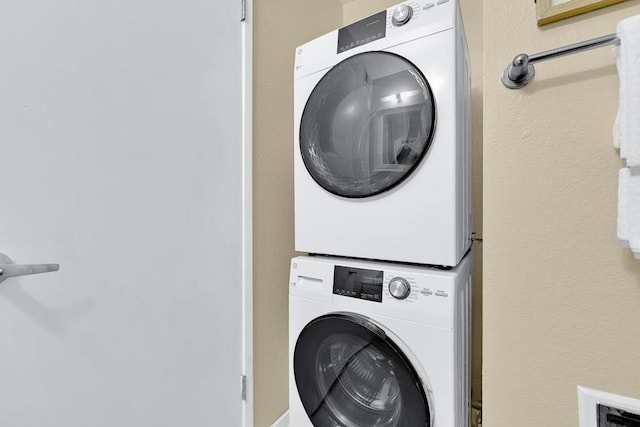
(401, 15)
(399, 288)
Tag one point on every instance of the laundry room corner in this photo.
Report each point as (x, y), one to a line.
(472, 14)
(278, 28)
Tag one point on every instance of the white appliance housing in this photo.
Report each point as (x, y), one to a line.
(353, 118)
(350, 341)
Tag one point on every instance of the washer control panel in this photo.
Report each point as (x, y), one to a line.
(408, 292)
(379, 285)
(407, 289)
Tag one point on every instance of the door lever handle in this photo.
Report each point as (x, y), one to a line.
(9, 269)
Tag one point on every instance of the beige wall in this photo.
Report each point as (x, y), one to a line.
(279, 26)
(472, 17)
(561, 298)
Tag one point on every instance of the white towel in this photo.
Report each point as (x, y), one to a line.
(629, 209)
(628, 121)
(623, 205)
(633, 210)
(616, 123)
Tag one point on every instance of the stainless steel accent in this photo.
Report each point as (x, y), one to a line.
(310, 278)
(520, 72)
(8, 269)
(399, 288)
(401, 15)
(244, 387)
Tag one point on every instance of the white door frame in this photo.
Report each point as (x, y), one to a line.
(247, 211)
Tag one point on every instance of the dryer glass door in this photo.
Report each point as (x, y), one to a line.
(367, 124)
(349, 373)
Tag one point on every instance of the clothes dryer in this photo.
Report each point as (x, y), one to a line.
(378, 344)
(382, 138)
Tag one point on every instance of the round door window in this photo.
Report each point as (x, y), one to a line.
(367, 124)
(349, 373)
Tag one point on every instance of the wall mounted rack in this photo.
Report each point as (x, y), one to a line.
(521, 71)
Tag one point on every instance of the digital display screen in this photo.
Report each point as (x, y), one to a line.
(362, 32)
(358, 283)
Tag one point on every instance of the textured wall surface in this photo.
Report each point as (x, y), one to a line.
(279, 26)
(472, 17)
(560, 296)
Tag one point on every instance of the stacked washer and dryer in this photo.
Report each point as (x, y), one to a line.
(380, 311)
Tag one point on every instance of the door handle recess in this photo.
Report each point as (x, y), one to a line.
(9, 269)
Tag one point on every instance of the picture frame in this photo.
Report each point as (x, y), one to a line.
(554, 10)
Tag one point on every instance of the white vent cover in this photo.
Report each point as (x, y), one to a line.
(588, 400)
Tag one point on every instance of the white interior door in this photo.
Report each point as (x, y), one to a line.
(121, 159)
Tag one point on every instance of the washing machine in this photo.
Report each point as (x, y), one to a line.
(378, 344)
(382, 138)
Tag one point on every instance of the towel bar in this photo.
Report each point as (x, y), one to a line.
(521, 71)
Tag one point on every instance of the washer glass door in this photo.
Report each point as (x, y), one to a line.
(350, 374)
(367, 124)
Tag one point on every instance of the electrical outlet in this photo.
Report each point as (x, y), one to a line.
(600, 409)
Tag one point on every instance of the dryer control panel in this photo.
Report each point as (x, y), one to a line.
(362, 32)
(375, 27)
(402, 23)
